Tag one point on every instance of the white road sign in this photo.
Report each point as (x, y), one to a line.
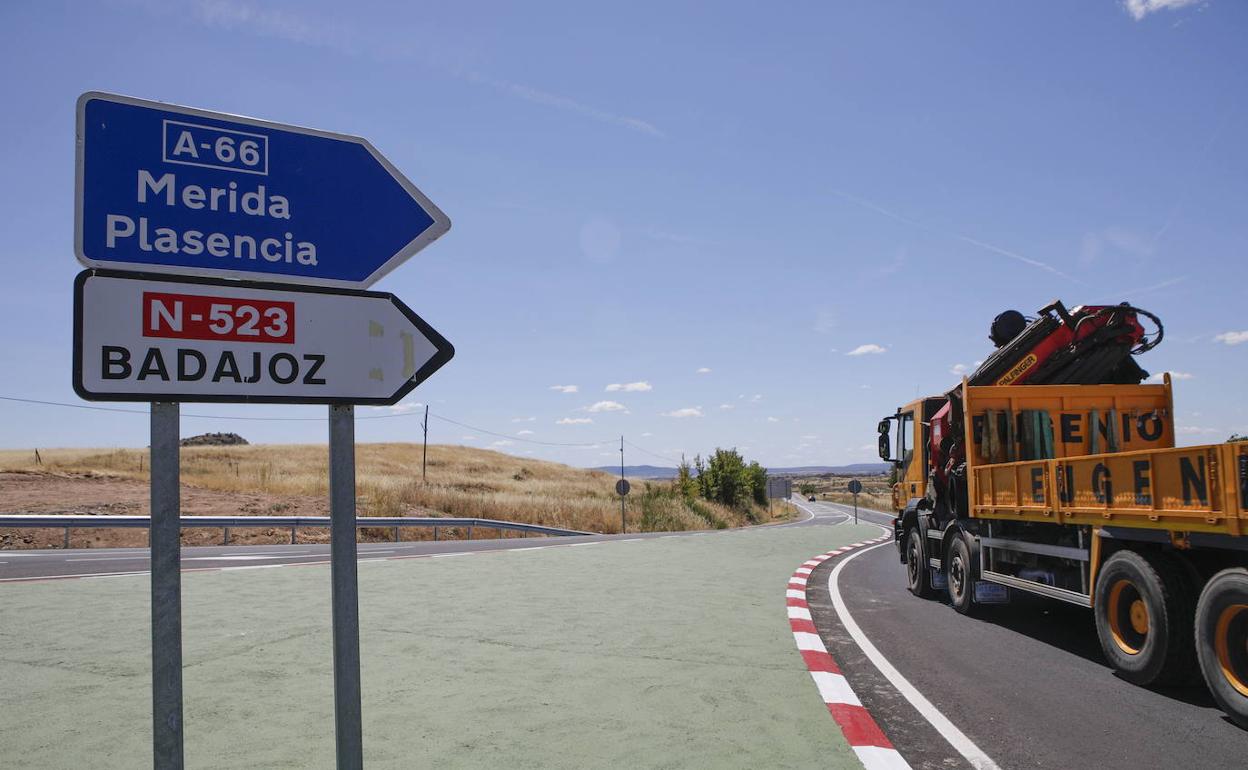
(141, 337)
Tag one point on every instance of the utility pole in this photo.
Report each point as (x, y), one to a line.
(623, 526)
(424, 455)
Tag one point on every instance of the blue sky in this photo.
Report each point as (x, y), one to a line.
(722, 202)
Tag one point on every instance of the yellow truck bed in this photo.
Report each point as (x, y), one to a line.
(1053, 477)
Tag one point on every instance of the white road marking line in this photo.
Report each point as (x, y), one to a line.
(246, 557)
(960, 742)
(628, 540)
(573, 545)
(252, 566)
(56, 577)
(457, 553)
(111, 558)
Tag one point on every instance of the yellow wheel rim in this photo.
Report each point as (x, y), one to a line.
(1230, 641)
(1128, 617)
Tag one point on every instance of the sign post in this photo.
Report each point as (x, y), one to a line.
(855, 486)
(164, 539)
(345, 590)
(182, 198)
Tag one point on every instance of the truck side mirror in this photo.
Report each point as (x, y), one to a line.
(883, 427)
(885, 449)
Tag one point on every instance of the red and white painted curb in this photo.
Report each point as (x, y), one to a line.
(866, 738)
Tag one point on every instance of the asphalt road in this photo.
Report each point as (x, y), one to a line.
(20, 565)
(1026, 682)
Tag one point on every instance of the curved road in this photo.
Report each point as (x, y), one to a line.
(1026, 682)
(23, 565)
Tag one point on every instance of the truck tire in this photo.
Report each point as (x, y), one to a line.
(918, 575)
(960, 569)
(1222, 641)
(1144, 609)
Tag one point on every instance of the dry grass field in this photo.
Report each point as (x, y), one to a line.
(287, 480)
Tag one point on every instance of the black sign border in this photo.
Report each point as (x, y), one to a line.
(445, 350)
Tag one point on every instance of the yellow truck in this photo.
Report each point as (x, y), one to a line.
(1078, 493)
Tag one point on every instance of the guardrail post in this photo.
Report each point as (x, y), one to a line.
(164, 536)
(470, 533)
(225, 539)
(396, 534)
(292, 535)
(345, 588)
(67, 538)
(435, 534)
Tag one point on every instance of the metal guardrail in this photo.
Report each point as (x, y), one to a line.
(74, 521)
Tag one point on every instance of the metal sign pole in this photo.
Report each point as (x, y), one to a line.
(623, 525)
(166, 560)
(346, 606)
(855, 507)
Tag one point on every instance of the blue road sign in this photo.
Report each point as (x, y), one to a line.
(162, 188)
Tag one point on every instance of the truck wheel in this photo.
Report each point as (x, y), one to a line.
(1144, 613)
(918, 575)
(961, 576)
(1222, 641)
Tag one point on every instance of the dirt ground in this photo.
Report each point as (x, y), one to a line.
(102, 495)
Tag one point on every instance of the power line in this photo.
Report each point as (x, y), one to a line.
(652, 454)
(302, 419)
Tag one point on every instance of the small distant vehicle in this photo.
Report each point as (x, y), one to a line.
(810, 499)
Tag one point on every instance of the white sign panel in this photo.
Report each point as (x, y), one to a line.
(150, 338)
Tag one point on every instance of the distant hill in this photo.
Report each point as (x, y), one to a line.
(853, 469)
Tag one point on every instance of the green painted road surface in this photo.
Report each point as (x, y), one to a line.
(672, 652)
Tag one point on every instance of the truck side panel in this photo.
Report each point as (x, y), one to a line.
(1190, 489)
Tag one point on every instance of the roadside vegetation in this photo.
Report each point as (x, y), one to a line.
(722, 491)
(461, 482)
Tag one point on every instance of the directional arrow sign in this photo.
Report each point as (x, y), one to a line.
(169, 189)
(143, 337)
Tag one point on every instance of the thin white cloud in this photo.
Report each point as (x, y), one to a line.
(1232, 338)
(756, 397)
(646, 434)
(503, 442)
(1141, 8)
(689, 411)
(467, 438)
(629, 387)
(773, 419)
(605, 406)
(959, 236)
(1192, 430)
(727, 406)
(524, 433)
(565, 388)
(703, 370)
(958, 370)
(868, 349)
(567, 104)
(524, 419)
(574, 421)
(810, 437)
(1159, 376)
